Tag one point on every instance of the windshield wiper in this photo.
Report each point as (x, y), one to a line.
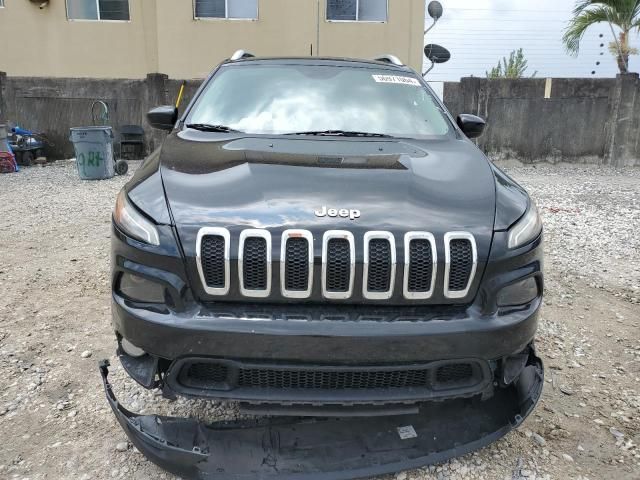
(205, 127)
(340, 133)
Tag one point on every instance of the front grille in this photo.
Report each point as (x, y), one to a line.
(379, 277)
(338, 278)
(213, 262)
(215, 375)
(420, 265)
(461, 264)
(254, 263)
(376, 279)
(296, 264)
(379, 265)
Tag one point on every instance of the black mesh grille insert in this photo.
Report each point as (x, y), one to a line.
(254, 263)
(338, 265)
(204, 374)
(420, 265)
(212, 254)
(218, 376)
(332, 380)
(379, 275)
(454, 373)
(296, 271)
(461, 264)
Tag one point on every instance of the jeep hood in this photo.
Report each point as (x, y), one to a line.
(275, 183)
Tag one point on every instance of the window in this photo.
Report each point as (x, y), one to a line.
(284, 99)
(98, 9)
(245, 9)
(1, 3)
(357, 10)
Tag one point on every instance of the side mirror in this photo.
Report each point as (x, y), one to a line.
(163, 118)
(471, 125)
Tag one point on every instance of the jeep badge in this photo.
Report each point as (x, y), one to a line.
(334, 212)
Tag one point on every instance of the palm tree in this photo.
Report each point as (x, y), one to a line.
(624, 14)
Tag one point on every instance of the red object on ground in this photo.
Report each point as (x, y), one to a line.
(8, 162)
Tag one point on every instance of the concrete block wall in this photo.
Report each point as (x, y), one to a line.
(551, 120)
(532, 120)
(53, 105)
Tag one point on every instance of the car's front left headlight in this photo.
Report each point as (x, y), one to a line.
(132, 222)
(525, 229)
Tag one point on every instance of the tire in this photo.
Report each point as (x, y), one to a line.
(26, 158)
(122, 167)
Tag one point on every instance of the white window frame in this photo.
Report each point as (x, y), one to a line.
(226, 13)
(357, 20)
(66, 6)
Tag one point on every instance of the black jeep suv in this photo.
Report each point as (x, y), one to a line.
(319, 240)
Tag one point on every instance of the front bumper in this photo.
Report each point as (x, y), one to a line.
(348, 335)
(307, 356)
(337, 448)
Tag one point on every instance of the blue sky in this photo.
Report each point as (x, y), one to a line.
(480, 32)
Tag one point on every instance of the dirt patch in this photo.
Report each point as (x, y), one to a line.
(55, 326)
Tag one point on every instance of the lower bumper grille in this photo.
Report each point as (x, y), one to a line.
(332, 380)
(267, 381)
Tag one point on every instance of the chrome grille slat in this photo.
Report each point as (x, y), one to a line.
(338, 265)
(333, 265)
(296, 265)
(379, 265)
(254, 272)
(379, 269)
(456, 269)
(214, 289)
(419, 270)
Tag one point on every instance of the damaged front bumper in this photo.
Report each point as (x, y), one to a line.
(329, 448)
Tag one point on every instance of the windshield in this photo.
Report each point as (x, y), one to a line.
(287, 99)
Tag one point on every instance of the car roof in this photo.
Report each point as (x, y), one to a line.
(331, 61)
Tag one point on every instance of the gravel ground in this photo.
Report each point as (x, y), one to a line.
(55, 325)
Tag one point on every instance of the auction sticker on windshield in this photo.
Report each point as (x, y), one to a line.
(396, 79)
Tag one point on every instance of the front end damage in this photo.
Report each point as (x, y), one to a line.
(332, 448)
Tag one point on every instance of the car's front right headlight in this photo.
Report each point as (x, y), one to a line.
(525, 229)
(132, 222)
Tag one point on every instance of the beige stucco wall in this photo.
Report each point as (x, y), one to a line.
(42, 42)
(402, 35)
(162, 36)
(190, 48)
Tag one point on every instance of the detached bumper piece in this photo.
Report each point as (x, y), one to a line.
(330, 448)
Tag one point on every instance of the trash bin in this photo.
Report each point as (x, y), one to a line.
(94, 152)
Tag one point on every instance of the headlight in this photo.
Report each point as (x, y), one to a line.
(131, 222)
(526, 229)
